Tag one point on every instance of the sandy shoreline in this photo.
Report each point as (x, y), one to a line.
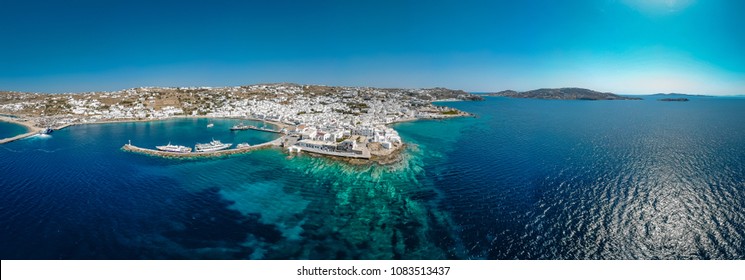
(29, 126)
(31, 129)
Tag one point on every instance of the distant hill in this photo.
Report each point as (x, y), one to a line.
(563, 94)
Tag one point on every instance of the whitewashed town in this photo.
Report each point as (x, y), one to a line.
(338, 121)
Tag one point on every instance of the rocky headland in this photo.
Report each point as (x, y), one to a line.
(562, 94)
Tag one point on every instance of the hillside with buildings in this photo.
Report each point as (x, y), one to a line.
(323, 119)
(288, 103)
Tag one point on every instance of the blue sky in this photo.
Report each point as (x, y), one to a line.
(623, 46)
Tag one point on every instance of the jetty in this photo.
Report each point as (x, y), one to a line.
(33, 131)
(264, 129)
(18, 137)
(30, 127)
(152, 152)
(241, 126)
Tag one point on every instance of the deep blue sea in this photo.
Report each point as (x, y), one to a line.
(525, 179)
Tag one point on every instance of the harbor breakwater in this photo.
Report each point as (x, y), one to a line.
(220, 153)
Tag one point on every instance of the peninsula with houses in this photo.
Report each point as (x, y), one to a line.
(346, 122)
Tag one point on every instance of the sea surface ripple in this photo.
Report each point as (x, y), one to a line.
(525, 179)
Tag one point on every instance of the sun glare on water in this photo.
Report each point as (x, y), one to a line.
(659, 7)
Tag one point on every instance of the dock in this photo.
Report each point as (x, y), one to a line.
(265, 129)
(32, 130)
(18, 137)
(220, 153)
(251, 127)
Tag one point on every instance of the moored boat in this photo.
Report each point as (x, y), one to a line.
(214, 145)
(240, 126)
(174, 148)
(243, 145)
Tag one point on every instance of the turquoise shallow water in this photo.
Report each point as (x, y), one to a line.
(527, 179)
(76, 195)
(10, 129)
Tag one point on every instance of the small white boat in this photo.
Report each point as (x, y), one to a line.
(243, 145)
(211, 125)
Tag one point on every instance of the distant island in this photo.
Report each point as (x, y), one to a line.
(680, 94)
(673, 99)
(562, 94)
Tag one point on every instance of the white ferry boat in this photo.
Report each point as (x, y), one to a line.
(174, 148)
(214, 145)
